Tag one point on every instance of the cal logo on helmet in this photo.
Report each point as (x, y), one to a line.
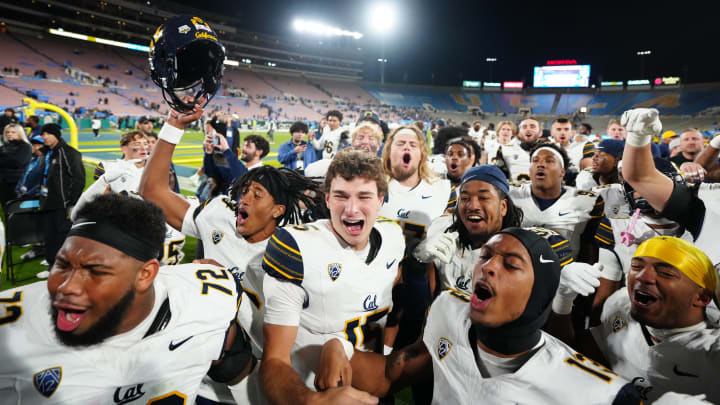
(47, 381)
(217, 236)
(443, 347)
(334, 270)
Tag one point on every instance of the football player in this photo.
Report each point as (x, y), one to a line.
(514, 158)
(110, 324)
(604, 166)
(134, 146)
(506, 132)
(655, 332)
(123, 176)
(696, 210)
(453, 242)
(547, 203)
(327, 279)
(488, 348)
(580, 153)
(329, 142)
(460, 155)
(234, 229)
(415, 197)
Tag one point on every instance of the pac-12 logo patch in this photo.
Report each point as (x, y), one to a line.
(334, 270)
(618, 323)
(443, 347)
(47, 381)
(217, 236)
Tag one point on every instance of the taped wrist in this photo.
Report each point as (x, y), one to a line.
(170, 134)
(562, 305)
(715, 142)
(234, 360)
(638, 140)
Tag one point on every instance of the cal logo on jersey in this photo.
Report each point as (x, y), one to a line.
(47, 381)
(334, 270)
(618, 323)
(370, 302)
(123, 395)
(217, 236)
(443, 347)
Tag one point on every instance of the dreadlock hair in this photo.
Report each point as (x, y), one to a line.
(513, 217)
(288, 188)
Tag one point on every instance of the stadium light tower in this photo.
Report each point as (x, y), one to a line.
(490, 62)
(643, 54)
(382, 21)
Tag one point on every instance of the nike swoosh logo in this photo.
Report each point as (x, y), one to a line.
(174, 346)
(563, 213)
(82, 224)
(388, 265)
(545, 260)
(683, 374)
(425, 197)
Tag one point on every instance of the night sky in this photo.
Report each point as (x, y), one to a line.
(445, 42)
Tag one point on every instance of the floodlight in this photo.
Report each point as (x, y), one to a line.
(382, 18)
(321, 29)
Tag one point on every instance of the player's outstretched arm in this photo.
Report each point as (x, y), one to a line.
(638, 167)
(154, 182)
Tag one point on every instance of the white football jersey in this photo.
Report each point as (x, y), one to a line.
(415, 208)
(684, 362)
(344, 296)
(437, 164)
(165, 365)
(709, 234)
(214, 224)
(555, 374)
(458, 273)
(516, 159)
(172, 247)
(585, 180)
(329, 142)
(568, 216)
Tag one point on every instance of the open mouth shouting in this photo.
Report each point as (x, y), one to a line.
(406, 160)
(69, 316)
(540, 174)
(643, 299)
(353, 227)
(242, 216)
(482, 294)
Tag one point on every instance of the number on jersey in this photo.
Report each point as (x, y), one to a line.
(352, 325)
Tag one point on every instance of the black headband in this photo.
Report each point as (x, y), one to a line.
(132, 245)
(274, 188)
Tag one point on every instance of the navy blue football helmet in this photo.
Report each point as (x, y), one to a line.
(186, 59)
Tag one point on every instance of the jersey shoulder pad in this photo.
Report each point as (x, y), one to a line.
(515, 184)
(282, 258)
(586, 193)
(99, 170)
(604, 236)
(557, 242)
(587, 169)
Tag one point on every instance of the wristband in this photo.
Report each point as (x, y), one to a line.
(715, 142)
(387, 350)
(562, 305)
(170, 134)
(611, 267)
(638, 140)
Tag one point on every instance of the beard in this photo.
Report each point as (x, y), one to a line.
(105, 327)
(400, 173)
(245, 157)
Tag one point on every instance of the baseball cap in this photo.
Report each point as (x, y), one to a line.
(144, 120)
(612, 147)
(37, 139)
(369, 116)
(669, 134)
